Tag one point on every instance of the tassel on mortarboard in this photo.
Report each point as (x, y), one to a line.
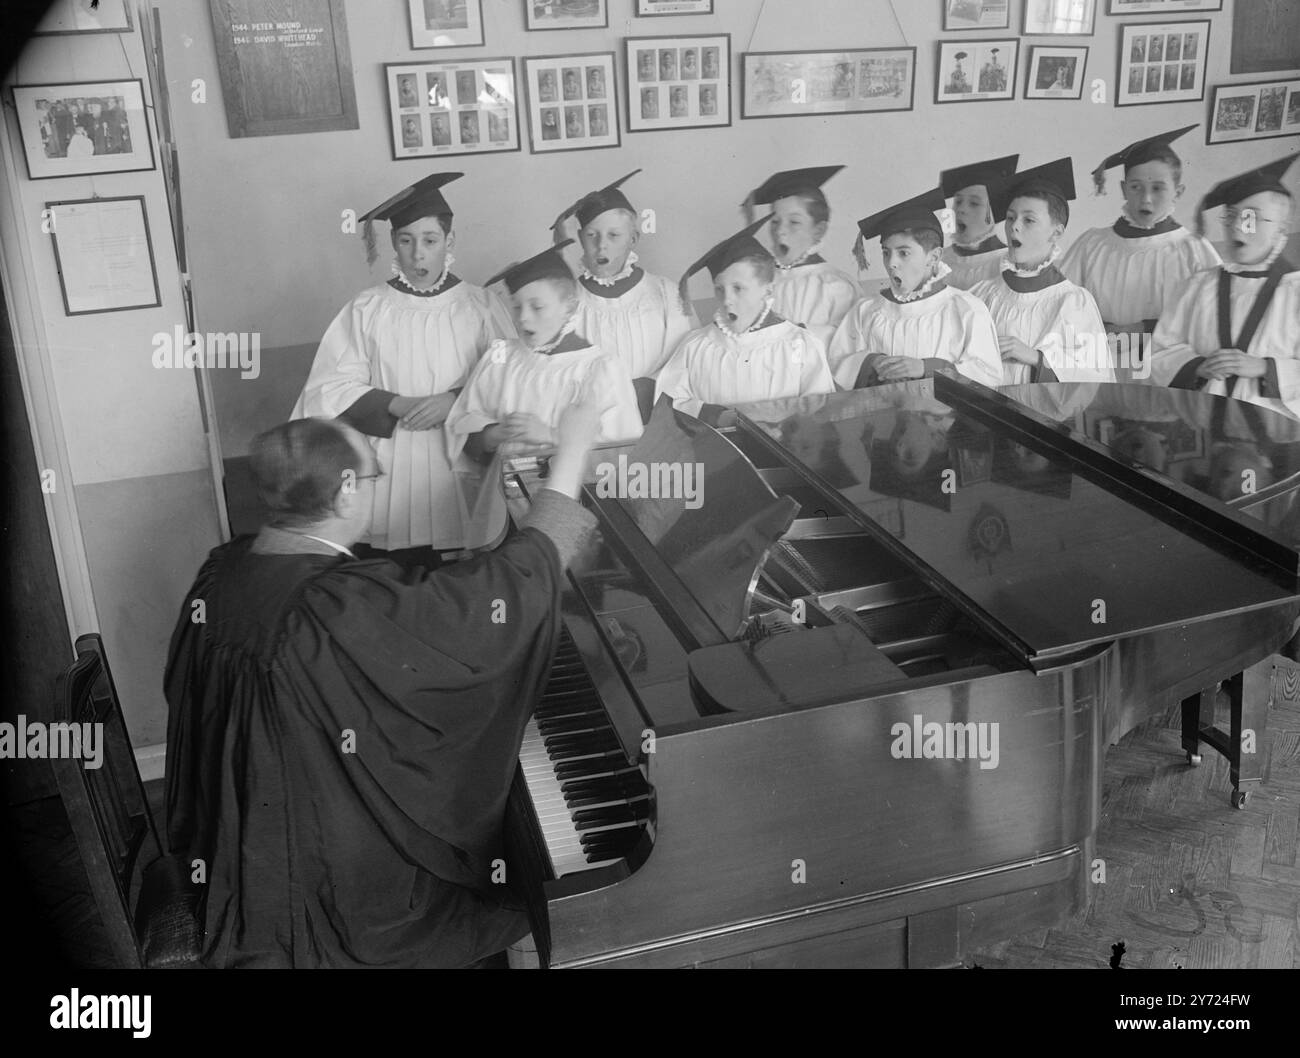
(422, 199)
(1136, 153)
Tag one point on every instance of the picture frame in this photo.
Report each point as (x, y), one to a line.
(677, 82)
(253, 56)
(973, 71)
(543, 15)
(1056, 71)
(63, 135)
(1265, 37)
(572, 102)
(813, 83)
(103, 254)
(64, 17)
(960, 15)
(446, 23)
(452, 107)
(1259, 110)
(660, 8)
(1160, 7)
(1148, 74)
(1059, 18)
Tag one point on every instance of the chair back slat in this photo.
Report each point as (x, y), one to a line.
(106, 806)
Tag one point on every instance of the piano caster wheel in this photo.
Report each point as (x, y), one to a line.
(1194, 760)
(1239, 798)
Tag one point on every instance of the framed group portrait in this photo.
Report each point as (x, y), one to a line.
(566, 14)
(83, 128)
(572, 102)
(446, 23)
(971, 71)
(677, 82)
(461, 106)
(1162, 62)
(1262, 110)
(792, 83)
(1055, 72)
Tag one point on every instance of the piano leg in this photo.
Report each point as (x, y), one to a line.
(1248, 700)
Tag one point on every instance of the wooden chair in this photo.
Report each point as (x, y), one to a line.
(110, 818)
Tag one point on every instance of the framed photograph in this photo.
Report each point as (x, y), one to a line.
(1265, 36)
(103, 255)
(651, 8)
(677, 82)
(1055, 72)
(1161, 7)
(1161, 62)
(785, 83)
(976, 14)
(1060, 18)
(446, 23)
(572, 102)
(77, 16)
(970, 71)
(566, 14)
(83, 128)
(461, 106)
(1263, 110)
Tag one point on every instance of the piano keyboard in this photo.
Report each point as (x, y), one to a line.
(590, 803)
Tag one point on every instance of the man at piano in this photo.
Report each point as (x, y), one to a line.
(342, 733)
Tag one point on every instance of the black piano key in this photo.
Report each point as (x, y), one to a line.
(587, 767)
(602, 817)
(619, 784)
(575, 745)
(573, 724)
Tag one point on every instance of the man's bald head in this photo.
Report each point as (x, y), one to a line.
(301, 466)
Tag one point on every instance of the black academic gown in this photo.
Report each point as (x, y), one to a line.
(341, 741)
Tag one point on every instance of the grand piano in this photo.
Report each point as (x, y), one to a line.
(843, 698)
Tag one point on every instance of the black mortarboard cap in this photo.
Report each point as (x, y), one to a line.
(1136, 153)
(422, 199)
(1267, 177)
(916, 212)
(549, 264)
(726, 253)
(789, 182)
(953, 180)
(594, 203)
(1055, 179)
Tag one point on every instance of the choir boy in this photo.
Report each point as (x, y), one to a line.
(975, 252)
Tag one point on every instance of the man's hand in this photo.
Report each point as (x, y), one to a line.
(898, 368)
(525, 428)
(1015, 349)
(1228, 362)
(423, 413)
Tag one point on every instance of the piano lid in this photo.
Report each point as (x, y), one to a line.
(1044, 537)
(702, 506)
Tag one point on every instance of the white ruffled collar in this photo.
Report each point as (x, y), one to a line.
(564, 332)
(609, 281)
(1132, 221)
(720, 321)
(941, 271)
(992, 233)
(814, 248)
(400, 276)
(1009, 265)
(1236, 267)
